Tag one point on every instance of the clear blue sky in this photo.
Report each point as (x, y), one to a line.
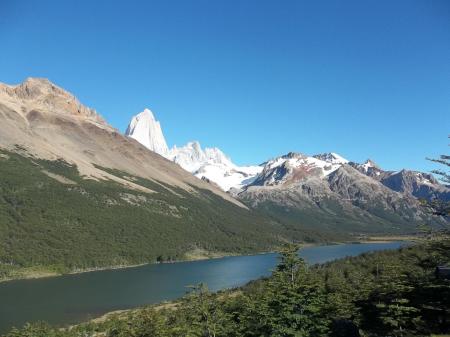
(254, 78)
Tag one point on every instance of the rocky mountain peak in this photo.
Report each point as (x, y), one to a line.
(332, 158)
(147, 131)
(208, 164)
(41, 94)
(147, 113)
(370, 163)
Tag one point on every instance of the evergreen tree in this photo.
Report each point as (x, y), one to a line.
(292, 303)
(203, 313)
(441, 207)
(388, 310)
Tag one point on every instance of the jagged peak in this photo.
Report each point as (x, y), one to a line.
(146, 113)
(370, 164)
(147, 130)
(332, 158)
(293, 155)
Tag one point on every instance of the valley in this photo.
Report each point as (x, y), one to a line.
(224, 168)
(75, 298)
(77, 195)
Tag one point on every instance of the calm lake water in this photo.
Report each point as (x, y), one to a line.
(75, 298)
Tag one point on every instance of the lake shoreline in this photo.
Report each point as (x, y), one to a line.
(47, 273)
(81, 299)
(39, 272)
(122, 313)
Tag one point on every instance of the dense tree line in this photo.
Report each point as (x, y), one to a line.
(388, 293)
(84, 223)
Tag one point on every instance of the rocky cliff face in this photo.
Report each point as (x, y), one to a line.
(147, 131)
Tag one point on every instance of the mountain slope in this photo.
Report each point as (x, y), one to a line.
(325, 193)
(51, 216)
(412, 183)
(50, 123)
(74, 193)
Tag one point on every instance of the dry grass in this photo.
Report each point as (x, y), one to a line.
(202, 254)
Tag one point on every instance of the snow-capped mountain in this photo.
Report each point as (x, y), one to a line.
(209, 163)
(214, 165)
(147, 131)
(293, 167)
(326, 189)
(191, 156)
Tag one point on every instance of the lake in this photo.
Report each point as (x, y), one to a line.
(79, 297)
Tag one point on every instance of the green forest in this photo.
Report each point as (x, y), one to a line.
(81, 223)
(387, 293)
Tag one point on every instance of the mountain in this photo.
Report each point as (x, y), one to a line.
(292, 167)
(209, 164)
(326, 192)
(323, 192)
(75, 193)
(50, 123)
(413, 183)
(418, 184)
(147, 131)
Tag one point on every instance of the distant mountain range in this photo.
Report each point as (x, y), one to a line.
(313, 191)
(213, 165)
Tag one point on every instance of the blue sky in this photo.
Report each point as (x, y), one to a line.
(254, 78)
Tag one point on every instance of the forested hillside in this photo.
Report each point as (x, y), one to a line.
(53, 219)
(389, 293)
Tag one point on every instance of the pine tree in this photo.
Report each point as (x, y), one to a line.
(292, 302)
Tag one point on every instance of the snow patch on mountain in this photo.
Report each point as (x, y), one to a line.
(227, 177)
